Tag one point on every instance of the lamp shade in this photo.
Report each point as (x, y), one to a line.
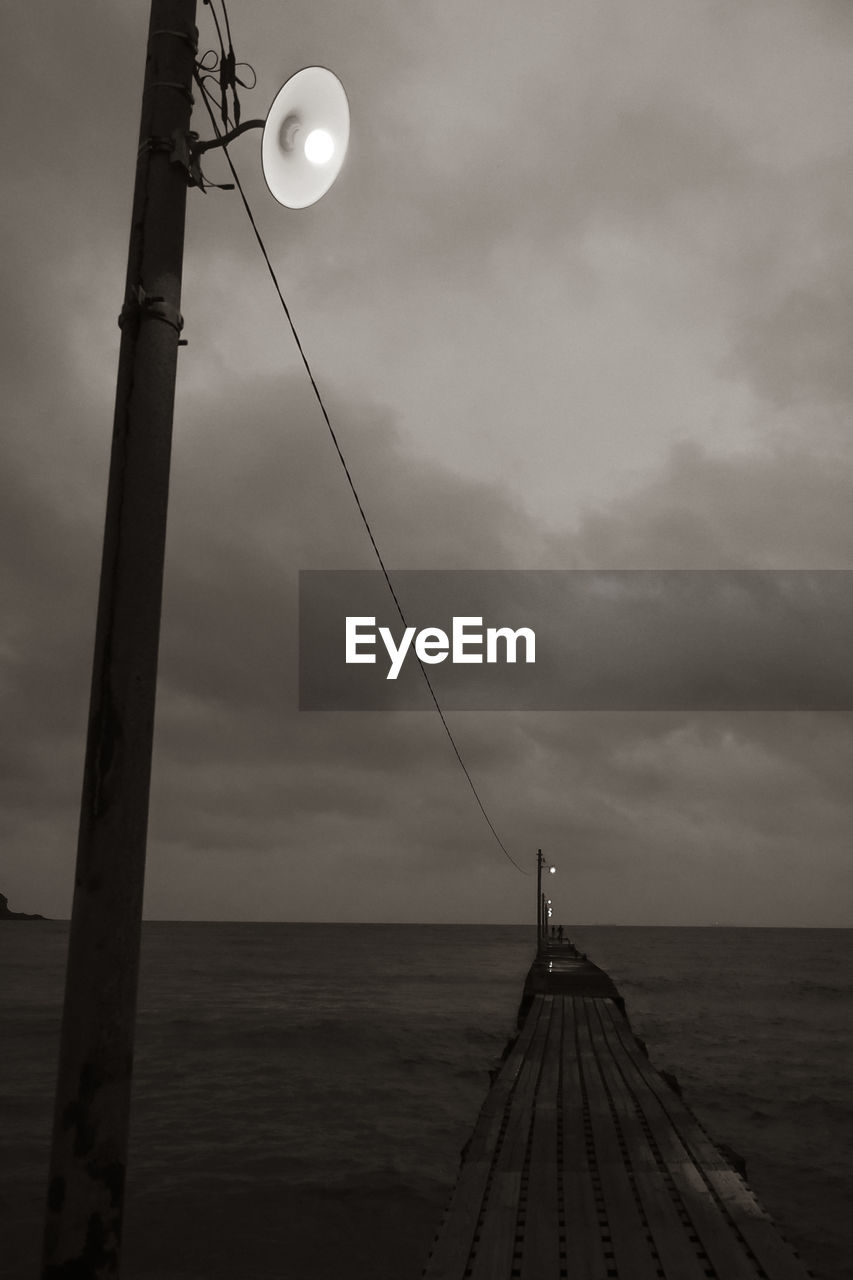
(305, 137)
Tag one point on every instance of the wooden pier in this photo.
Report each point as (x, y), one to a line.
(585, 1163)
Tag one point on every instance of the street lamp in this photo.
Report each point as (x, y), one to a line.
(304, 143)
(305, 137)
(540, 898)
(92, 1109)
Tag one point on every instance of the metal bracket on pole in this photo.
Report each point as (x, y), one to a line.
(182, 148)
(185, 150)
(182, 152)
(222, 141)
(139, 305)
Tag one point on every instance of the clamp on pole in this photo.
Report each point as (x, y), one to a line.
(139, 305)
(186, 149)
(190, 38)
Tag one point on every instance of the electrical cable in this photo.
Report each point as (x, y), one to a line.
(206, 97)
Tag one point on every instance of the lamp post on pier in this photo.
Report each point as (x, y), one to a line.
(540, 899)
(92, 1107)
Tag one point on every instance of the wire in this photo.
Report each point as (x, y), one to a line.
(227, 67)
(206, 95)
(227, 23)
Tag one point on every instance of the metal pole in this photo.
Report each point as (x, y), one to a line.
(91, 1121)
(539, 861)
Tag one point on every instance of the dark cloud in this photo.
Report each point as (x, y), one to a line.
(577, 301)
(765, 509)
(797, 350)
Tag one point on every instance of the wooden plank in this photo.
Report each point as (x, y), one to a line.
(493, 1253)
(775, 1256)
(484, 1138)
(636, 1185)
(677, 1246)
(632, 1247)
(719, 1239)
(493, 1256)
(586, 1255)
(674, 1107)
(452, 1248)
(586, 1249)
(540, 1251)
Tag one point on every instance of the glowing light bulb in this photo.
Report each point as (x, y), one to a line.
(319, 146)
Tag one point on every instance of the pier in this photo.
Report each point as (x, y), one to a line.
(586, 1163)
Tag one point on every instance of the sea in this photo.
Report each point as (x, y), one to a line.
(302, 1091)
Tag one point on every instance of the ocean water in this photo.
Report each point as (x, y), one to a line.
(302, 1092)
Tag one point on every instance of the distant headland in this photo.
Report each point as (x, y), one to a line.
(6, 914)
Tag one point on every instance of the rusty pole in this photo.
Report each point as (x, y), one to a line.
(91, 1120)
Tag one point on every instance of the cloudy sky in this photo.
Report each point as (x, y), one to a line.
(580, 298)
